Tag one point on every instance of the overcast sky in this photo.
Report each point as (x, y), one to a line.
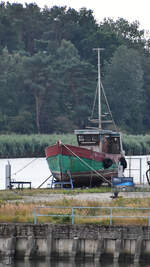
(128, 9)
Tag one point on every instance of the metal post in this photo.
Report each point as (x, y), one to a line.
(149, 220)
(140, 171)
(99, 90)
(35, 218)
(130, 167)
(99, 87)
(8, 176)
(72, 215)
(110, 216)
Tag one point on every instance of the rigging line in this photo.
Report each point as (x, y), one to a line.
(108, 107)
(44, 181)
(94, 102)
(103, 91)
(107, 181)
(24, 166)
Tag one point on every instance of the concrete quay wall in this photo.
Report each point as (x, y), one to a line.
(74, 242)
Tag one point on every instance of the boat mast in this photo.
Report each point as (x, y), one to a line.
(99, 88)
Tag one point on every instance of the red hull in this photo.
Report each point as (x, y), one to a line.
(81, 152)
(82, 177)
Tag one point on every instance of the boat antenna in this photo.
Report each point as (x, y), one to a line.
(99, 88)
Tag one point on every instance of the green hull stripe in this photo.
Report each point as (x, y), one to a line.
(62, 163)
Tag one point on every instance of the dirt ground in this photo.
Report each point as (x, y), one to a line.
(100, 197)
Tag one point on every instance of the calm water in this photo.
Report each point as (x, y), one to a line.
(68, 264)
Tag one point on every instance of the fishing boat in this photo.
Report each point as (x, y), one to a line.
(97, 157)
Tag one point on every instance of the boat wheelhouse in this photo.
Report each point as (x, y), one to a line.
(103, 141)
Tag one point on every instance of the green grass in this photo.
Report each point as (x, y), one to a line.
(6, 194)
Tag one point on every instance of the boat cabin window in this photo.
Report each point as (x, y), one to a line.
(88, 139)
(111, 144)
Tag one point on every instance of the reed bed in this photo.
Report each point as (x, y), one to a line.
(15, 146)
(136, 144)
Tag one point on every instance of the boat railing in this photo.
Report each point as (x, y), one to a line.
(103, 215)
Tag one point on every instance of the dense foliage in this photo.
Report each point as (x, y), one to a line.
(48, 71)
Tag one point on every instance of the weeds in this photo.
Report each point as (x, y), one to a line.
(14, 209)
(24, 212)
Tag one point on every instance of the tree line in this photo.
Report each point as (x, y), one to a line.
(48, 69)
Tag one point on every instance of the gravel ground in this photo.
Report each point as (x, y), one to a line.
(100, 197)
